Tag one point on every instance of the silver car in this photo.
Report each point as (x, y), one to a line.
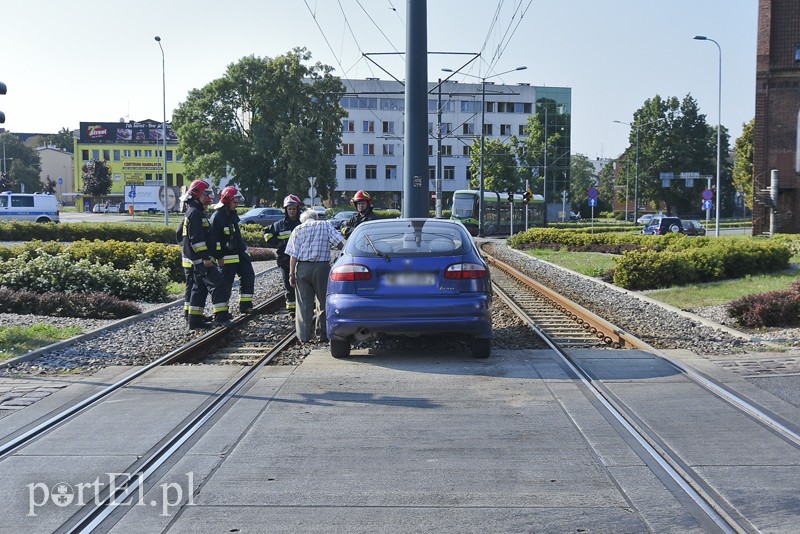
(262, 216)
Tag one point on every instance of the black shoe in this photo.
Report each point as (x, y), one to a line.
(223, 322)
(198, 324)
(245, 309)
(207, 319)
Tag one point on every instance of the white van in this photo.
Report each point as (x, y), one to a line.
(36, 207)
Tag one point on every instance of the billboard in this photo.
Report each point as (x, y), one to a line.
(148, 132)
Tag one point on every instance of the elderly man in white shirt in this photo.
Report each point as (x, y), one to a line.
(309, 251)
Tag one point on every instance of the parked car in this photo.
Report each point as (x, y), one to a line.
(409, 277)
(33, 207)
(645, 219)
(322, 212)
(662, 225)
(693, 228)
(340, 218)
(262, 216)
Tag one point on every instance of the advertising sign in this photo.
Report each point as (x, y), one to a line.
(149, 132)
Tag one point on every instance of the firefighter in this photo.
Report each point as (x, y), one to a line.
(199, 249)
(363, 203)
(231, 247)
(277, 235)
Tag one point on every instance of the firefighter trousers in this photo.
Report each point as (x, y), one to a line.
(247, 280)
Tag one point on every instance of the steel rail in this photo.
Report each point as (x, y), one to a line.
(45, 424)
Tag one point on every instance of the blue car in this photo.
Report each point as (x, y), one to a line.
(409, 277)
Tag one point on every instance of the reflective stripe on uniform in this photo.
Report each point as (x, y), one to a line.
(186, 262)
(199, 246)
(195, 310)
(220, 307)
(245, 298)
(231, 259)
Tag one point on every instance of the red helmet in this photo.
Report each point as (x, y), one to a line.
(195, 189)
(292, 200)
(362, 195)
(228, 195)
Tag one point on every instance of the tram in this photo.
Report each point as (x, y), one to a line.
(496, 211)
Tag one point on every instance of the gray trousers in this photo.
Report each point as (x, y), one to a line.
(312, 287)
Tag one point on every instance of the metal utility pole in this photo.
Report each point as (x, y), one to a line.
(164, 129)
(438, 179)
(415, 196)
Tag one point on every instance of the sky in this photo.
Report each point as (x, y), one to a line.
(97, 60)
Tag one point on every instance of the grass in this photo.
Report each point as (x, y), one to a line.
(17, 340)
(684, 297)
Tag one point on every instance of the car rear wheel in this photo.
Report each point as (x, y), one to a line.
(42, 220)
(480, 347)
(340, 348)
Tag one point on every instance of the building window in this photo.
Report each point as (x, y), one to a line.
(137, 153)
(85, 155)
(169, 155)
(368, 127)
(116, 155)
(148, 177)
(490, 107)
(468, 129)
(159, 154)
(465, 150)
(388, 150)
(349, 149)
(468, 175)
(96, 155)
(430, 128)
(371, 172)
(449, 172)
(391, 172)
(179, 158)
(521, 129)
(447, 127)
(430, 150)
(447, 150)
(432, 172)
(393, 104)
(350, 172)
(126, 153)
(505, 129)
(470, 106)
(148, 153)
(369, 149)
(106, 155)
(487, 129)
(348, 126)
(388, 127)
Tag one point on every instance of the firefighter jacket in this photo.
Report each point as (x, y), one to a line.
(198, 242)
(227, 235)
(357, 219)
(277, 235)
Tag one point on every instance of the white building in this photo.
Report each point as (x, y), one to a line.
(372, 139)
(57, 165)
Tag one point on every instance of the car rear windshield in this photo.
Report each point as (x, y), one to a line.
(409, 238)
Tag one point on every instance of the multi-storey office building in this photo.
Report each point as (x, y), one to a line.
(372, 139)
(133, 153)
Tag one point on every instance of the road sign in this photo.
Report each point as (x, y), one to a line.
(60, 180)
(311, 181)
(708, 194)
(706, 204)
(593, 193)
(132, 192)
(312, 192)
(593, 202)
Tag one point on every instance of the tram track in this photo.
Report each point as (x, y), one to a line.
(567, 327)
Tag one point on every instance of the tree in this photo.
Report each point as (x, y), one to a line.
(499, 166)
(63, 140)
(673, 137)
(22, 164)
(531, 149)
(96, 179)
(743, 163)
(275, 121)
(581, 178)
(49, 185)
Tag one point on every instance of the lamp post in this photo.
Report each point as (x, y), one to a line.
(719, 125)
(483, 134)
(164, 130)
(637, 126)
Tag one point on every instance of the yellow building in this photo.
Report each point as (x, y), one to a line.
(133, 153)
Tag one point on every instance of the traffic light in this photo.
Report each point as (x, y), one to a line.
(510, 196)
(526, 197)
(2, 92)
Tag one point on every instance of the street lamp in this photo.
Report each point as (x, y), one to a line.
(719, 124)
(164, 130)
(637, 126)
(483, 133)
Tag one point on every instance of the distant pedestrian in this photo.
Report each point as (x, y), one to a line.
(277, 235)
(199, 249)
(232, 252)
(363, 203)
(309, 249)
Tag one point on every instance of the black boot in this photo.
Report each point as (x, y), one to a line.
(221, 319)
(246, 308)
(196, 322)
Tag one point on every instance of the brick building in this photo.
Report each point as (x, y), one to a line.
(777, 116)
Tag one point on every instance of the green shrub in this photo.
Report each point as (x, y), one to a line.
(62, 272)
(83, 305)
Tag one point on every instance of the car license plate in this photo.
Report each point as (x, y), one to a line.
(410, 279)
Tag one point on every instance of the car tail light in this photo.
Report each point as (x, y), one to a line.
(350, 273)
(466, 271)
